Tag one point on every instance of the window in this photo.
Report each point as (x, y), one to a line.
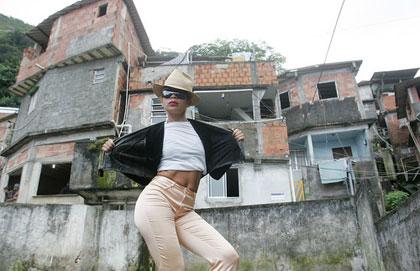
(284, 100)
(12, 189)
(54, 179)
(158, 112)
(226, 187)
(342, 152)
(32, 103)
(267, 109)
(102, 10)
(327, 90)
(98, 75)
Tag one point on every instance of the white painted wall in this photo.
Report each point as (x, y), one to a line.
(256, 185)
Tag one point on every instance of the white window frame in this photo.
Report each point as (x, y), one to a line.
(32, 102)
(325, 82)
(157, 112)
(224, 180)
(98, 75)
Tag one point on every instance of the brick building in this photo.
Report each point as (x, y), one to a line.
(394, 148)
(234, 95)
(70, 83)
(407, 97)
(328, 126)
(76, 92)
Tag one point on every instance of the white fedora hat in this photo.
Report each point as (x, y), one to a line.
(178, 80)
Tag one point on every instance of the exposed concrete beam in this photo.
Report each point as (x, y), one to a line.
(240, 114)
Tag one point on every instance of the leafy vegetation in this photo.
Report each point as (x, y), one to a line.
(12, 43)
(259, 51)
(394, 198)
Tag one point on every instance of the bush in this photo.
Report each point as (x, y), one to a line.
(394, 198)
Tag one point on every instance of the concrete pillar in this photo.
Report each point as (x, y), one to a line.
(310, 149)
(256, 99)
(277, 105)
(3, 182)
(24, 183)
(257, 95)
(34, 180)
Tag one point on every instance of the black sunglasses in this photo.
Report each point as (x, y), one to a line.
(168, 92)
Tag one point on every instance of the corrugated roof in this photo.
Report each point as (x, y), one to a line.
(42, 31)
(393, 76)
(321, 67)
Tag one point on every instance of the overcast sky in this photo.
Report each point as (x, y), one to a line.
(382, 33)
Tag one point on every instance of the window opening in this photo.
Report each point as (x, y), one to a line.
(284, 100)
(102, 10)
(32, 103)
(54, 179)
(327, 90)
(12, 189)
(267, 109)
(226, 187)
(342, 152)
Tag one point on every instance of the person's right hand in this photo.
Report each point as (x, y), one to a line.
(108, 145)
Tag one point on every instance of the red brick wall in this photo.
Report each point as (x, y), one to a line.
(227, 74)
(345, 83)
(78, 23)
(275, 139)
(291, 86)
(344, 80)
(398, 136)
(388, 102)
(61, 149)
(18, 159)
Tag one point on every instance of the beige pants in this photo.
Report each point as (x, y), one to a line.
(165, 217)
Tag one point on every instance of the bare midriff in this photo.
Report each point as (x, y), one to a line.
(189, 179)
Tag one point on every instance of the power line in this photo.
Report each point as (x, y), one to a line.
(329, 46)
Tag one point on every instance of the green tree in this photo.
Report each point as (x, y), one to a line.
(259, 51)
(11, 47)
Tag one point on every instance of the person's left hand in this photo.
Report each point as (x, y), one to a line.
(238, 135)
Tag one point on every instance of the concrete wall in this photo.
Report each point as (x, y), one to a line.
(365, 218)
(67, 98)
(321, 113)
(265, 183)
(399, 236)
(62, 237)
(312, 235)
(315, 190)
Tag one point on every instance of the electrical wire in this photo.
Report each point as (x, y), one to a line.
(329, 47)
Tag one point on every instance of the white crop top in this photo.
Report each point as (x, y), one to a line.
(182, 148)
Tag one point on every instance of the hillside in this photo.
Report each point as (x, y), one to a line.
(12, 43)
(10, 24)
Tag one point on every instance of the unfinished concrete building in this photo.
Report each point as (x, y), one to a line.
(70, 83)
(394, 148)
(76, 92)
(234, 95)
(407, 97)
(328, 125)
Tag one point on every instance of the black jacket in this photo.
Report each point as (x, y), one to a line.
(137, 155)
